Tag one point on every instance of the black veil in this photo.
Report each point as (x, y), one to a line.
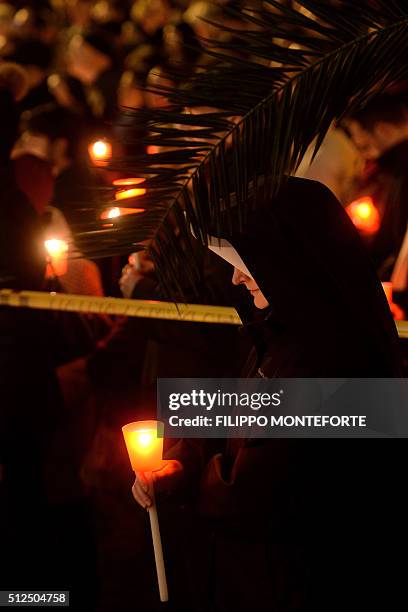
(312, 267)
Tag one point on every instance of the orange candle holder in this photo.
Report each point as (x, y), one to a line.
(144, 443)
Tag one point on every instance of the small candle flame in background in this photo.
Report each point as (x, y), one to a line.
(113, 213)
(100, 152)
(364, 214)
(124, 194)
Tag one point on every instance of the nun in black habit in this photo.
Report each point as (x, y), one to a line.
(294, 524)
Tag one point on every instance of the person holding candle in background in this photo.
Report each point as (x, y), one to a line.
(269, 504)
(75, 273)
(40, 537)
(59, 136)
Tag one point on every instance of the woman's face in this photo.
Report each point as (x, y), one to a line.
(240, 278)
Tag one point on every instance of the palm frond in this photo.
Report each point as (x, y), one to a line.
(264, 104)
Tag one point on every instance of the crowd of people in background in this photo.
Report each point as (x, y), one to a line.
(76, 64)
(67, 68)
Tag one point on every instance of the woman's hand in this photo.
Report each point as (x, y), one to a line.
(164, 479)
(129, 279)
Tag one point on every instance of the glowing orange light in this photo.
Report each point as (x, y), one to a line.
(129, 193)
(152, 149)
(116, 212)
(364, 215)
(100, 152)
(364, 210)
(126, 182)
(57, 264)
(144, 445)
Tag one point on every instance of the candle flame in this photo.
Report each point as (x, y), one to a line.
(57, 263)
(100, 151)
(364, 215)
(145, 438)
(55, 247)
(364, 210)
(115, 212)
(144, 445)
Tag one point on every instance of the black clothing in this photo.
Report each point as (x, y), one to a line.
(34, 534)
(73, 190)
(137, 351)
(270, 504)
(22, 256)
(311, 265)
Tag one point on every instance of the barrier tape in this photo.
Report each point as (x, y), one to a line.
(148, 309)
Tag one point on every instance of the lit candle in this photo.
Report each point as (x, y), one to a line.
(364, 215)
(57, 262)
(144, 443)
(111, 213)
(100, 152)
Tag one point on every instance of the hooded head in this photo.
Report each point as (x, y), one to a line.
(307, 259)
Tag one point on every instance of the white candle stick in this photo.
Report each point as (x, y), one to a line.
(157, 544)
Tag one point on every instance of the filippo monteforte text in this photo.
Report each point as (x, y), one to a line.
(314, 420)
